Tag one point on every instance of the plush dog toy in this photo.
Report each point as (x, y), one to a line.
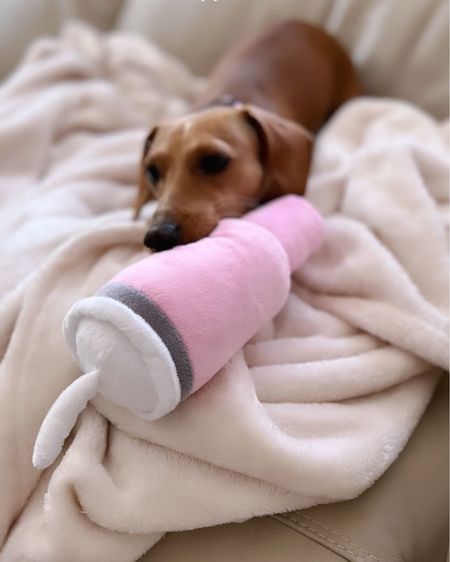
(162, 327)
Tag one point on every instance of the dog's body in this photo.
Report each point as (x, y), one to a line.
(249, 137)
(294, 70)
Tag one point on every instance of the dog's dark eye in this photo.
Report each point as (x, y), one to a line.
(213, 164)
(153, 173)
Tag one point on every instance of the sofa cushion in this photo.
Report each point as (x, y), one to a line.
(401, 47)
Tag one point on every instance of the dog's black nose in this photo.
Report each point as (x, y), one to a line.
(163, 237)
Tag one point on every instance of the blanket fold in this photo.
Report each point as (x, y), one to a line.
(313, 409)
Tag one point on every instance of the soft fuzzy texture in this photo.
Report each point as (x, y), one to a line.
(313, 410)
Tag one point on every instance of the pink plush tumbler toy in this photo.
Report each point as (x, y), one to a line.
(162, 327)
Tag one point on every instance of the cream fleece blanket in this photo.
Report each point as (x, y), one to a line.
(313, 410)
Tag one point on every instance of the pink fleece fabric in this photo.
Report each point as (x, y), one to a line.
(219, 291)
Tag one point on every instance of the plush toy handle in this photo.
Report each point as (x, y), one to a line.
(294, 222)
(62, 417)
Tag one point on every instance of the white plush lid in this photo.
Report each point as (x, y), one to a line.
(122, 358)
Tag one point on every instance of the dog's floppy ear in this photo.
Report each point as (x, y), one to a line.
(144, 194)
(284, 150)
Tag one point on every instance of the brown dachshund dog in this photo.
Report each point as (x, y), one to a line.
(249, 138)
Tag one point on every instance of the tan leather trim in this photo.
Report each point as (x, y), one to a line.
(331, 539)
(261, 539)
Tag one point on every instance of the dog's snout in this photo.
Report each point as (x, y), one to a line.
(163, 236)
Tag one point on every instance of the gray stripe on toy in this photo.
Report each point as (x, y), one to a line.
(161, 324)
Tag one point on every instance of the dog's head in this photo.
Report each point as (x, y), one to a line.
(217, 163)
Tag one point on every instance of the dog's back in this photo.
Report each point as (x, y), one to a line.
(295, 69)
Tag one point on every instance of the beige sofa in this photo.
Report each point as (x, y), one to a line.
(401, 49)
(399, 46)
